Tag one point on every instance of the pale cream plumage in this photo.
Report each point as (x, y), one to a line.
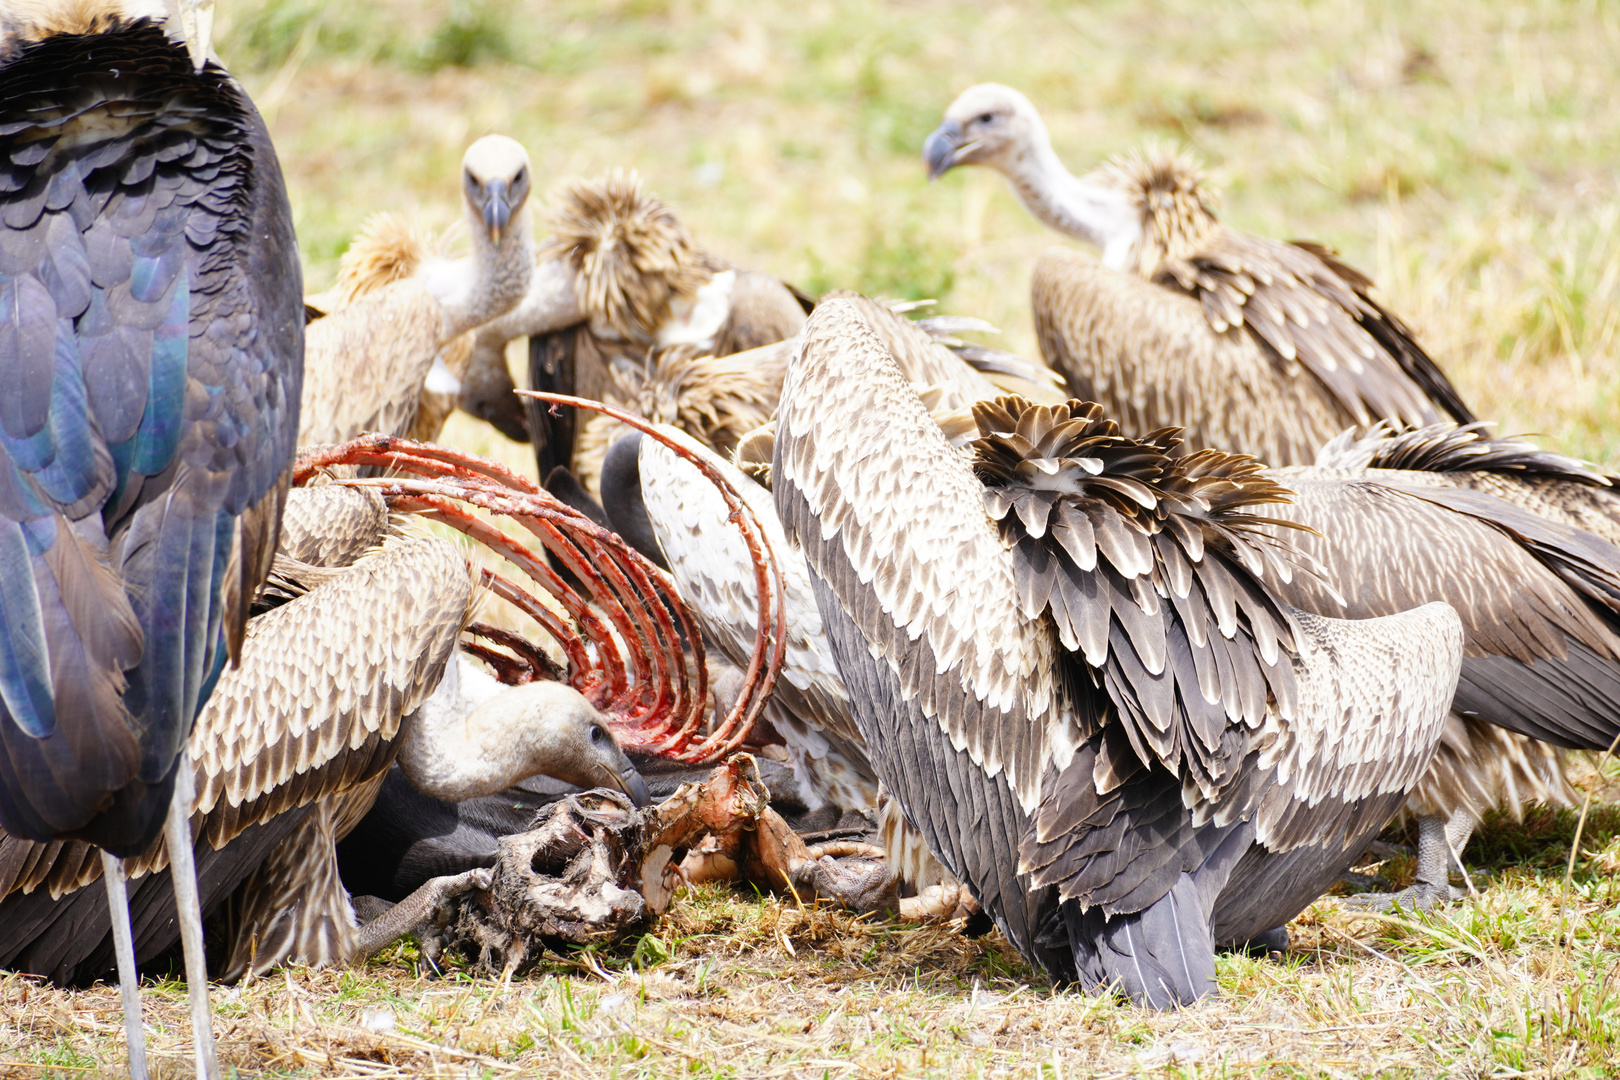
(398, 308)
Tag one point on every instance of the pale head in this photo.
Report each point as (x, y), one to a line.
(495, 178)
(988, 124)
(34, 20)
(554, 731)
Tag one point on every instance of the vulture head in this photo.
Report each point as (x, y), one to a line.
(988, 124)
(537, 729)
(495, 180)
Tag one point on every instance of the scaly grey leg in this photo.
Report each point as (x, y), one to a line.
(183, 872)
(129, 980)
(416, 909)
(1439, 842)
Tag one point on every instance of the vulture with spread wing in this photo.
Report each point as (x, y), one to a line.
(1249, 344)
(1071, 678)
(352, 665)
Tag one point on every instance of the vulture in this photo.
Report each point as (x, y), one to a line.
(1072, 678)
(1248, 344)
(641, 283)
(380, 331)
(354, 667)
(660, 503)
(1521, 542)
(151, 350)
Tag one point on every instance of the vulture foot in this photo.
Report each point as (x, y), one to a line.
(1440, 841)
(1421, 896)
(1274, 940)
(1365, 883)
(429, 906)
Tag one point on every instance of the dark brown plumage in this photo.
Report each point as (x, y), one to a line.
(1516, 541)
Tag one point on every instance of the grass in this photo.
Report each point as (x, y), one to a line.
(730, 985)
(1460, 151)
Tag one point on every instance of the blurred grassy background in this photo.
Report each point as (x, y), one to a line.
(1461, 151)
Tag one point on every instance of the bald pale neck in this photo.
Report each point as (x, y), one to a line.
(491, 283)
(1100, 216)
(453, 750)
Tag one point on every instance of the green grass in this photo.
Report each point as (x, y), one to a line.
(1462, 152)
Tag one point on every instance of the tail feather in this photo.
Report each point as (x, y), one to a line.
(1160, 957)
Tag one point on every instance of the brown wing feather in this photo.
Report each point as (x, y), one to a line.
(1306, 306)
(763, 311)
(364, 364)
(1148, 355)
(1537, 598)
(314, 707)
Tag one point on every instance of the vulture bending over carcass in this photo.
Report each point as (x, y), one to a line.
(1249, 344)
(1071, 679)
(375, 343)
(352, 665)
(1521, 543)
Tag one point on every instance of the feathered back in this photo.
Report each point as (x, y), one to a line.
(1453, 448)
(631, 255)
(1145, 560)
(388, 248)
(1169, 190)
(23, 21)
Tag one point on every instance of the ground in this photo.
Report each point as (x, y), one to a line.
(1460, 151)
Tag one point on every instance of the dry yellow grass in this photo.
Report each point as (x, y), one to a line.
(1461, 151)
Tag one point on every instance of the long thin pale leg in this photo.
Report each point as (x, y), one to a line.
(183, 872)
(129, 980)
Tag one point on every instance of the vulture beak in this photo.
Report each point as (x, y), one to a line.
(631, 783)
(497, 208)
(197, 27)
(943, 147)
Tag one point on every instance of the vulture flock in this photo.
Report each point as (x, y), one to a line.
(1139, 643)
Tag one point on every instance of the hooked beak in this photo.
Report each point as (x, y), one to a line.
(631, 783)
(944, 147)
(497, 209)
(197, 26)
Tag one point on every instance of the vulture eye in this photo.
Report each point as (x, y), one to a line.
(597, 734)
(987, 118)
(521, 175)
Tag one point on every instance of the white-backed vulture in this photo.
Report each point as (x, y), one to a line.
(396, 307)
(1249, 344)
(642, 283)
(1071, 679)
(1519, 542)
(356, 668)
(151, 352)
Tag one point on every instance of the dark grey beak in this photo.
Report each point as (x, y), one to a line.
(939, 152)
(635, 787)
(497, 208)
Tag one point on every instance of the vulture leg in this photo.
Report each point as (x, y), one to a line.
(417, 909)
(1440, 844)
(183, 870)
(129, 980)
